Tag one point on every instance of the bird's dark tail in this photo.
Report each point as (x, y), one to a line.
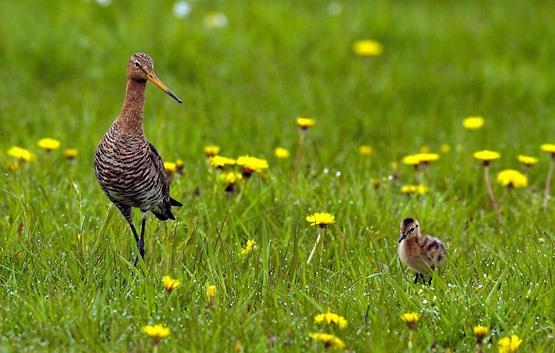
(163, 211)
(174, 202)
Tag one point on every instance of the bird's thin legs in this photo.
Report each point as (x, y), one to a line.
(136, 241)
(126, 211)
(135, 234)
(141, 240)
(421, 277)
(418, 277)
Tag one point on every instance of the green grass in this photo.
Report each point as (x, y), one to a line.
(66, 282)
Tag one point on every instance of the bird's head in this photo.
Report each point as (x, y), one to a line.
(141, 68)
(409, 227)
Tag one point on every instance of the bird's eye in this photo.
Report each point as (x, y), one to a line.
(137, 63)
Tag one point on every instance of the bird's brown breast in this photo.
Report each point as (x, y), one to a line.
(125, 170)
(421, 253)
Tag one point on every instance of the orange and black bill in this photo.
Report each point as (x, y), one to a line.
(156, 81)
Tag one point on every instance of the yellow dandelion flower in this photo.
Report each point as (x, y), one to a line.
(365, 150)
(156, 332)
(211, 150)
(527, 160)
(411, 319)
(375, 182)
(486, 156)
(305, 123)
(445, 148)
(221, 162)
(321, 219)
(512, 179)
(330, 318)
(71, 153)
(421, 189)
(548, 147)
(428, 157)
(367, 47)
(281, 153)
(170, 167)
(179, 165)
(414, 189)
(170, 283)
(210, 293)
(251, 165)
(420, 158)
(411, 159)
(230, 177)
(509, 344)
(408, 189)
(328, 340)
(480, 332)
(249, 247)
(22, 154)
(48, 144)
(473, 122)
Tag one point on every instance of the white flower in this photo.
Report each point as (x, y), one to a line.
(103, 2)
(181, 9)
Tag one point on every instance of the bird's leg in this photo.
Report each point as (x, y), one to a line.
(126, 211)
(135, 234)
(142, 240)
(136, 240)
(416, 278)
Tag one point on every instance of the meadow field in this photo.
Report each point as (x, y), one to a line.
(246, 70)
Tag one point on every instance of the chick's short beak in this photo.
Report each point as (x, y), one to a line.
(151, 76)
(403, 236)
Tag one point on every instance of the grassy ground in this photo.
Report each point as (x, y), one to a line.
(66, 282)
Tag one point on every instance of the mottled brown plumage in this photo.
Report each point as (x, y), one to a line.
(421, 253)
(128, 168)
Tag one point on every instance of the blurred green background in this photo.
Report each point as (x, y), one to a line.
(63, 72)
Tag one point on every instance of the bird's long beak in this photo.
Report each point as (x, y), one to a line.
(151, 76)
(403, 236)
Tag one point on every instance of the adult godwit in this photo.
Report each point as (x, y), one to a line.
(128, 168)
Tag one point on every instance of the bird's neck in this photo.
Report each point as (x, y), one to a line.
(131, 115)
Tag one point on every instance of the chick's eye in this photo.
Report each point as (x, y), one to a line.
(137, 63)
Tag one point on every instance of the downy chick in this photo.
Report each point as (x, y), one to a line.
(421, 253)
